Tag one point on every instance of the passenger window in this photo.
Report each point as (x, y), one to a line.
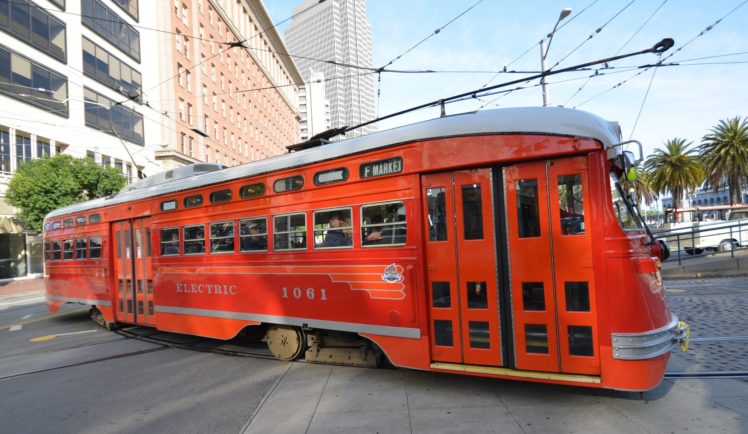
(437, 214)
(288, 184)
(94, 218)
(383, 225)
(477, 295)
(222, 237)
(169, 205)
(169, 241)
(252, 190)
(528, 214)
(55, 225)
(194, 239)
(67, 249)
(570, 204)
(56, 250)
(80, 220)
(94, 248)
(253, 234)
(289, 232)
(80, 248)
(472, 212)
(193, 201)
(332, 228)
(68, 223)
(220, 196)
(47, 251)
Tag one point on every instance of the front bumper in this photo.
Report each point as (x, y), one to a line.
(648, 345)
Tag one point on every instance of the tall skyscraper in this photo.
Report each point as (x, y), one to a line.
(336, 30)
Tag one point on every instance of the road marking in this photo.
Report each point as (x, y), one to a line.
(27, 316)
(6, 304)
(50, 337)
(15, 327)
(42, 318)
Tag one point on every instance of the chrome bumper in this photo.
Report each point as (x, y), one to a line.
(647, 345)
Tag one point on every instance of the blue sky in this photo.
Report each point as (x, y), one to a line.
(683, 101)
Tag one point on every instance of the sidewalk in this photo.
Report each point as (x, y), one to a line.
(706, 265)
(21, 286)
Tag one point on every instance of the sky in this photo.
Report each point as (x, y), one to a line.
(679, 101)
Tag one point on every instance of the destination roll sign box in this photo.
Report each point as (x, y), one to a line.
(389, 166)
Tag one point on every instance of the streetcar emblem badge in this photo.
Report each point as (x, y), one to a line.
(393, 273)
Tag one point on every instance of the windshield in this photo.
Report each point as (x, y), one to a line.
(623, 209)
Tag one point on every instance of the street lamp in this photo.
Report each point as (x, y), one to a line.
(544, 52)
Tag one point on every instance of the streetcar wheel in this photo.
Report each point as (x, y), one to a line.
(285, 342)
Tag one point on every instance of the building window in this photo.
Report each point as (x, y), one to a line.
(107, 24)
(4, 151)
(115, 119)
(34, 25)
(42, 148)
(110, 71)
(129, 6)
(23, 148)
(31, 83)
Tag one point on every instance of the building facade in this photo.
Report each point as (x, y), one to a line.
(141, 86)
(336, 30)
(314, 106)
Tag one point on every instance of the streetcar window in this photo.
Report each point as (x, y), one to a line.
(222, 237)
(47, 226)
(620, 206)
(194, 239)
(80, 220)
(331, 176)
(80, 248)
(528, 215)
(437, 214)
(67, 223)
(67, 249)
(169, 241)
(119, 244)
(220, 196)
(288, 184)
(47, 251)
(533, 296)
(477, 295)
(580, 341)
(571, 204)
(169, 205)
(289, 232)
(577, 296)
(472, 212)
(148, 242)
(536, 338)
(94, 247)
(138, 244)
(479, 336)
(55, 225)
(94, 218)
(332, 228)
(443, 332)
(253, 234)
(440, 294)
(252, 190)
(383, 224)
(193, 201)
(56, 250)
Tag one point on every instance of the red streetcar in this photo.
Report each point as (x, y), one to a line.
(497, 243)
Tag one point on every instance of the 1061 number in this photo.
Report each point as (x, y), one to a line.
(307, 294)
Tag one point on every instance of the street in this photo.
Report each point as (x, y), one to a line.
(63, 373)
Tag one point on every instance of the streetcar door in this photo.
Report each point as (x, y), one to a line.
(461, 267)
(134, 281)
(550, 261)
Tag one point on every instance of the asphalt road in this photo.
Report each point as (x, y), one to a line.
(62, 373)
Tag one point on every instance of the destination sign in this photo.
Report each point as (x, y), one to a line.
(382, 167)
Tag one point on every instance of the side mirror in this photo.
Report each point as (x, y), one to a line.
(663, 250)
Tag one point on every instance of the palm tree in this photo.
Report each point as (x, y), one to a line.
(642, 187)
(676, 169)
(724, 153)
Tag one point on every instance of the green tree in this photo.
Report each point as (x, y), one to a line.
(675, 169)
(41, 186)
(724, 153)
(642, 187)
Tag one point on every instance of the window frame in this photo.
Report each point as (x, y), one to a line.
(363, 226)
(193, 240)
(162, 243)
(77, 249)
(265, 234)
(323, 232)
(232, 237)
(277, 233)
(289, 180)
(98, 248)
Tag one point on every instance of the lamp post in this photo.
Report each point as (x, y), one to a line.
(544, 52)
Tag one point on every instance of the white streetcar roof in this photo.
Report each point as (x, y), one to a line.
(527, 120)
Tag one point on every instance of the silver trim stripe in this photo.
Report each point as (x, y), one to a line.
(400, 332)
(79, 300)
(646, 345)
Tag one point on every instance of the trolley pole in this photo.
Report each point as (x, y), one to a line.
(544, 53)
